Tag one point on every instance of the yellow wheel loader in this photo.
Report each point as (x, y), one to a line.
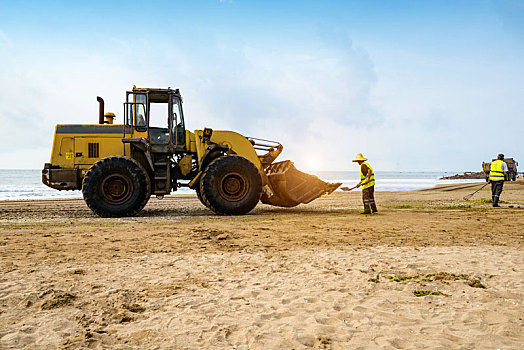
(119, 167)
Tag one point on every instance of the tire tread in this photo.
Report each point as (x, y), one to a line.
(90, 191)
(209, 195)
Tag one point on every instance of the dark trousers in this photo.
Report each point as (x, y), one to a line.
(496, 190)
(368, 197)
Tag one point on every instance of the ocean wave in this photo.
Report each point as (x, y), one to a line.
(26, 184)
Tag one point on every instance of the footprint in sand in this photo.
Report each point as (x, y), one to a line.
(327, 321)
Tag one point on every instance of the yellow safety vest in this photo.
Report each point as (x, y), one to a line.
(496, 173)
(364, 177)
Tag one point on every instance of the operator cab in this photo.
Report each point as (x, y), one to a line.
(149, 111)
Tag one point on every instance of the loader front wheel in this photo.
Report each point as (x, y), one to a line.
(116, 186)
(202, 200)
(232, 185)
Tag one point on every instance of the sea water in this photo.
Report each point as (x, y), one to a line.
(27, 184)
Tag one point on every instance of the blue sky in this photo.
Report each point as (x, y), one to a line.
(413, 85)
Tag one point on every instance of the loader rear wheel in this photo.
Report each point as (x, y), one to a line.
(116, 186)
(232, 185)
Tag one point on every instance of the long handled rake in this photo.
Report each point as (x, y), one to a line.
(471, 195)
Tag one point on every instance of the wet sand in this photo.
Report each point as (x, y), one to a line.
(318, 276)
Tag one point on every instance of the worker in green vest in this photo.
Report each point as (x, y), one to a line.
(497, 175)
(367, 181)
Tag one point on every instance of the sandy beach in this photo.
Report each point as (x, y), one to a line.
(430, 270)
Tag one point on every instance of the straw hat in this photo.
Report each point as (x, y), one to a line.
(359, 158)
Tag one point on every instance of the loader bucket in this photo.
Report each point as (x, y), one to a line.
(290, 187)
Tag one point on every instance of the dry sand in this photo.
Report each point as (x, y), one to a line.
(317, 276)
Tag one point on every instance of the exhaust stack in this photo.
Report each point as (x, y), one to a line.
(100, 110)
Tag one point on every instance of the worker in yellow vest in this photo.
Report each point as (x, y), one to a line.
(497, 175)
(367, 181)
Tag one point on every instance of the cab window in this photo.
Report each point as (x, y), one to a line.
(140, 110)
(158, 115)
(178, 121)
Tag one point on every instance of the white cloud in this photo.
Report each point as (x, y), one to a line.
(324, 100)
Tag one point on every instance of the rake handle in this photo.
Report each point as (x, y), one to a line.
(471, 195)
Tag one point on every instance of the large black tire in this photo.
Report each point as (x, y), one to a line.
(116, 186)
(231, 185)
(201, 198)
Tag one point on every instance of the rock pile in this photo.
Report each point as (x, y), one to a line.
(466, 175)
